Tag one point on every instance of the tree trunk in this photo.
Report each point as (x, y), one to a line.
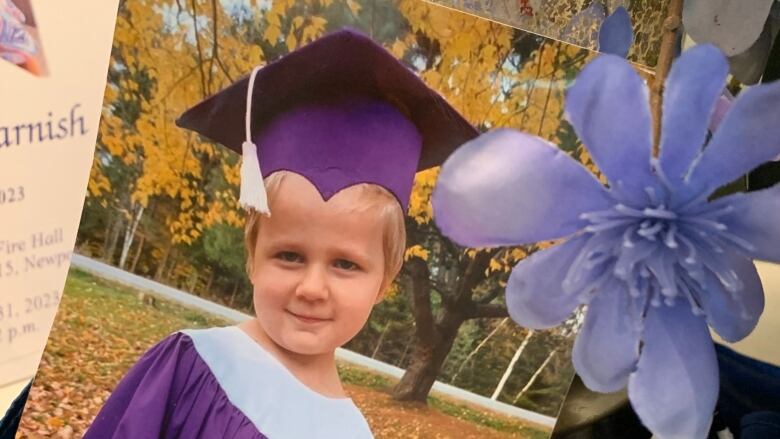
(534, 376)
(511, 366)
(138, 252)
(132, 226)
(379, 343)
(192, 282)
(427, 360)
(233, 294)
(158, 275)
(108, 257)
(209, 282)
(479, 346)
(403, 356)
(107, 236)
(172, 267)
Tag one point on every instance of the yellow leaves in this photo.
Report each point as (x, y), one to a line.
(272, 33)
(462, 45)
(273, 17)
(318, 22)
(517, 254)
(432, 78)
(463, 58)
(232, 174)
(291, 42)
(468, 67)
(183, 228)
(547, 244)
(398, 48)
(505, 260)
(98, 183)
(494, 265)
(416, 251)
(313, 30)
(588, 162)
(354, 7)
(55, 423)
(420, 200)
(303, 30)
(393, 290)
(169, 160)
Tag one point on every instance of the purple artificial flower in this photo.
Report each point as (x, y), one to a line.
(655, 260)
(616, 34)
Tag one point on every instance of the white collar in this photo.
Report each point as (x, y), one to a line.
(277, 403)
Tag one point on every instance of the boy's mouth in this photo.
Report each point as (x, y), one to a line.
(307, 318)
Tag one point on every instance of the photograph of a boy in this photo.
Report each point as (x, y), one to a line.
(163, 211)
(339, 128)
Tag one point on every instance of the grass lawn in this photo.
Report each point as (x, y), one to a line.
(102, 328)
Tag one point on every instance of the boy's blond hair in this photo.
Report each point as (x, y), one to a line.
(372, 196)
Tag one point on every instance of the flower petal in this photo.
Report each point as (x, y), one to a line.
(731, 25)
(755, 218)
(733, 318)
(507, 188)
(746, 138)
(694, 85)
(675, 386)
(609, 109)
(616, 33)
(534, 293)
(607, 346)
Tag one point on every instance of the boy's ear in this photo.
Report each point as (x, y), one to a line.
(382, 292)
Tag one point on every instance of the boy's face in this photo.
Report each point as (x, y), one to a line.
(318, 268)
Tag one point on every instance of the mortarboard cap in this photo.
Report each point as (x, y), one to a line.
(339, 111)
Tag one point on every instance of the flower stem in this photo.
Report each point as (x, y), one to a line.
(665, 56)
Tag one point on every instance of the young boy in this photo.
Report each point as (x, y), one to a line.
(338, 129)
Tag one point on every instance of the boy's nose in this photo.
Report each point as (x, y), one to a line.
(313, 286)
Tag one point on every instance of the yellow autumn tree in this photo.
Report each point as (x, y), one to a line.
(167, 56)
(495, 76)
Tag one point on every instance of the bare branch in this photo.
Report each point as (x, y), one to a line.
(473, 273)
(180, 80)
(203, 86)
(215, 45)
(665, 56)
(487, 298)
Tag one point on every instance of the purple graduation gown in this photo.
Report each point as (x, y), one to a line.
(219, 383)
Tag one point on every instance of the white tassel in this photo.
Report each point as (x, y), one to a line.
(252, 195)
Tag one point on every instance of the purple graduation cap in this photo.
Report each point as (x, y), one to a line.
(339, 111)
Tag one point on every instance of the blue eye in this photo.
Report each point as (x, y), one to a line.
(289, 257)
(343, 264)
